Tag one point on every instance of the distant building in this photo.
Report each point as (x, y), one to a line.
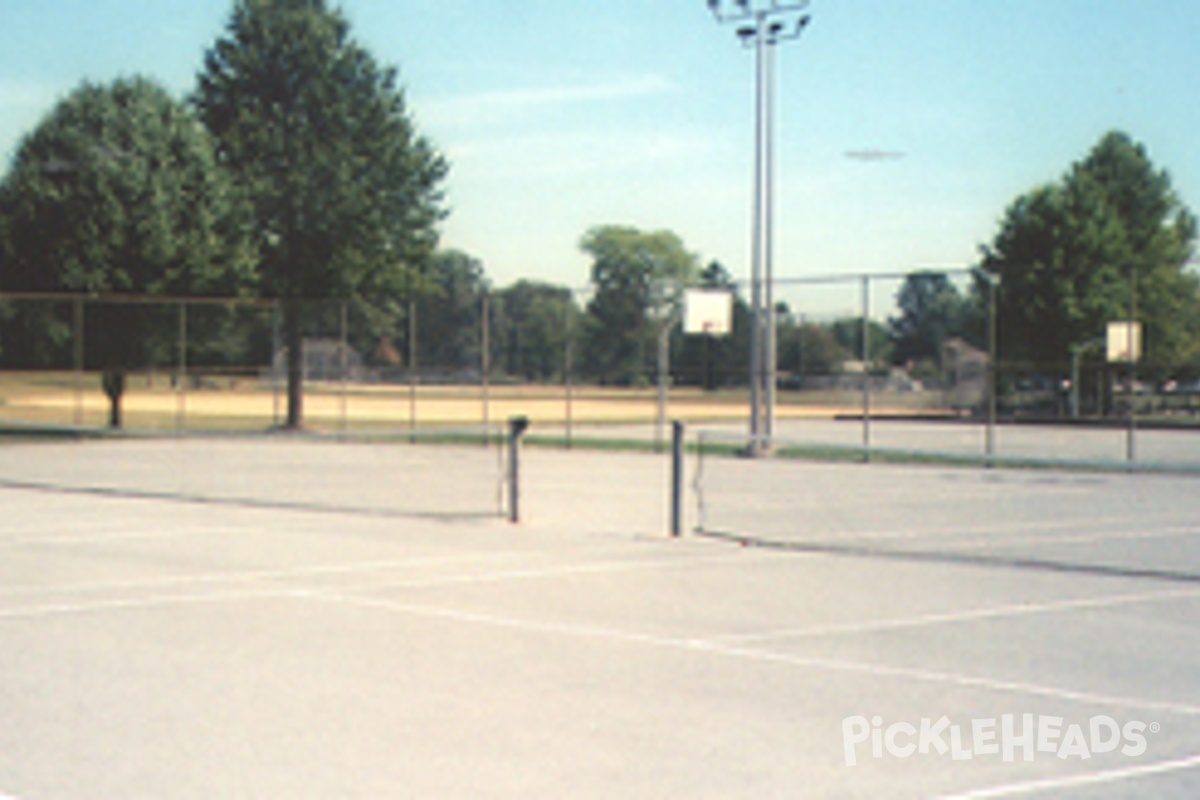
(325, 360)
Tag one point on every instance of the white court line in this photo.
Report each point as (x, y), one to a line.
(1014, 610)
(564, 570)
(1051, 784)
(933, 676)
(578, 631)
(766, 656)
(58, 609)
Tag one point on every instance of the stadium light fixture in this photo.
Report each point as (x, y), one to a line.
(763, 25)
(750, 9)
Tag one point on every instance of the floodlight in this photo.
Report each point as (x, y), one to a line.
(763, 25)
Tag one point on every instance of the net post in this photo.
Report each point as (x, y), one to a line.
(516, 429)
(485, 362)
(677, 447)
(993, 371)
(1131, 431)
(866, 375)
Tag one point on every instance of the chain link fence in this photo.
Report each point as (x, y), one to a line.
(868, 364)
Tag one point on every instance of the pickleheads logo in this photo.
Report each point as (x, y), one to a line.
(1008, 737)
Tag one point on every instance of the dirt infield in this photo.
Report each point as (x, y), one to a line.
(244, 406)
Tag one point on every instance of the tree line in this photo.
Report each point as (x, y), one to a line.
(295, 172)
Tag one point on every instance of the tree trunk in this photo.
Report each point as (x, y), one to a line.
(294, 342)
(114, 387)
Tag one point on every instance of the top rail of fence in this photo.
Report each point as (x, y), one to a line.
(137, 299)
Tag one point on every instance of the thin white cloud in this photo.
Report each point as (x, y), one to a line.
(576, 154)
(487, 106)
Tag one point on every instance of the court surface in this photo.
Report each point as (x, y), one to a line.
(294, 619)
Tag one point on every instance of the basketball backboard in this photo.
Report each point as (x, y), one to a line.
(708, 312)
(1124, 342)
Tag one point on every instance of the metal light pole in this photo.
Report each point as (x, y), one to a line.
(762, 25)
(1134, 346)
(993, 364)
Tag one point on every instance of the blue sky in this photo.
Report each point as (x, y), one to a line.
(559, 115)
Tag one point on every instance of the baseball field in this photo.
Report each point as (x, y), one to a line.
(156, 402)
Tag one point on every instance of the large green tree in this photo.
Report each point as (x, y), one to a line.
(117, 192)
(1071, 255)
(345, 192)
(638, 280)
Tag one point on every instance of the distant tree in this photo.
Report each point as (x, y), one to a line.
(533, 323)
(932, 310)
(639, 280)
(118, 192)
(1068, 255)
(345, 193)
(848, 332)
(449, 312)
(807, 349)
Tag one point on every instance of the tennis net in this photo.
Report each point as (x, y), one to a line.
(428, 473)
(1101, 523)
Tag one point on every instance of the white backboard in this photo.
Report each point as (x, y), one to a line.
(1124, 342)
(708, 312)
